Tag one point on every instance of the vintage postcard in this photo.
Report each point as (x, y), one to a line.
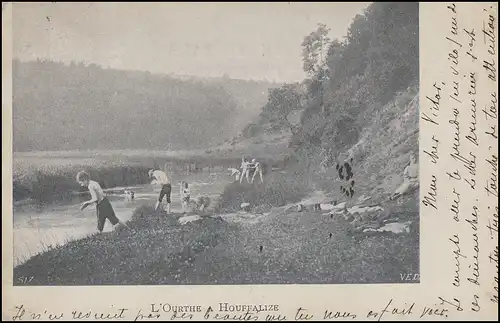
(249, 161)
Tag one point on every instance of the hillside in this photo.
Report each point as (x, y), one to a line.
(359, 104)
(359, 76)
(250, 96)
(61, 107)
(351, 83)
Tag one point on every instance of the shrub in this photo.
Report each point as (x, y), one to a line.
(142, 212)
(250, 130)
(277, 190)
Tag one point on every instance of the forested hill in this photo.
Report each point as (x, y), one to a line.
(80, 106)
(351, 82)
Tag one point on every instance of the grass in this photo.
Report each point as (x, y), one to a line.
(51, 243)
(124, 257)
(296, 248)
(277, 190)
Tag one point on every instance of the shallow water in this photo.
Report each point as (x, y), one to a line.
(38, 227)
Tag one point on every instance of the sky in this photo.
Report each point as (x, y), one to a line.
(260, 41)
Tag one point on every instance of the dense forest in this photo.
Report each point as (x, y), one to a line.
(83, 106)
(348, 81)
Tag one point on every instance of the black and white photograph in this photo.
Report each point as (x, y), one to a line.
(215, 143)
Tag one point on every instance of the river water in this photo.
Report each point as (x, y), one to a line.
(37, 227)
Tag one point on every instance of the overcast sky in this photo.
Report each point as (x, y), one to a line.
(242, 40)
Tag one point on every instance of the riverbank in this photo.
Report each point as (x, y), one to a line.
(48, 176)
(276, 248)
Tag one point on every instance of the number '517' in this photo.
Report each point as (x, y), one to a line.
(24, 279)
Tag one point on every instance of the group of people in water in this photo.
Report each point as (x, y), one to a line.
(248, 171)
(104, 209)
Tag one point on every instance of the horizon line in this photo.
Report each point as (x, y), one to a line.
(171, 74)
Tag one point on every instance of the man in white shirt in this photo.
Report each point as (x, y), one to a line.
(166, 188)
(103, 206)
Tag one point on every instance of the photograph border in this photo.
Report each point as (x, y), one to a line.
(434, 294)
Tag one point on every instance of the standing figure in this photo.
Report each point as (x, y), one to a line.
(257, 169)
(104, 208)
(166, 188)
(346, 175)
(244, 170)
(129, 195)
(185, 196)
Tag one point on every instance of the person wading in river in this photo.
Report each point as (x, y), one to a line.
(103, 206)
(185, 194)
(166, 188)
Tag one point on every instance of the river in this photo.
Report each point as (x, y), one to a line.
(38, 227)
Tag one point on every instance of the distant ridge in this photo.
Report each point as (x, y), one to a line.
(60, 106)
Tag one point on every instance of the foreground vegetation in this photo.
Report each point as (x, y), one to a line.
(278, 189)
(282, 248)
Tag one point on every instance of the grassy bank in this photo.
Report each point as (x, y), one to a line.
(278, 189)
(281, 248)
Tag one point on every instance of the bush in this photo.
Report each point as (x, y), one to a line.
(20, 191)
(142, 212)
(277, 190)
(250, 130)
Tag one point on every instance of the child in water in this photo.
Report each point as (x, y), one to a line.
(185, 196)
(103, 206)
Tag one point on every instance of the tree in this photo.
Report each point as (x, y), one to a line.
(334, 58)
(314, 50)
(281, 103)
(358, 75)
